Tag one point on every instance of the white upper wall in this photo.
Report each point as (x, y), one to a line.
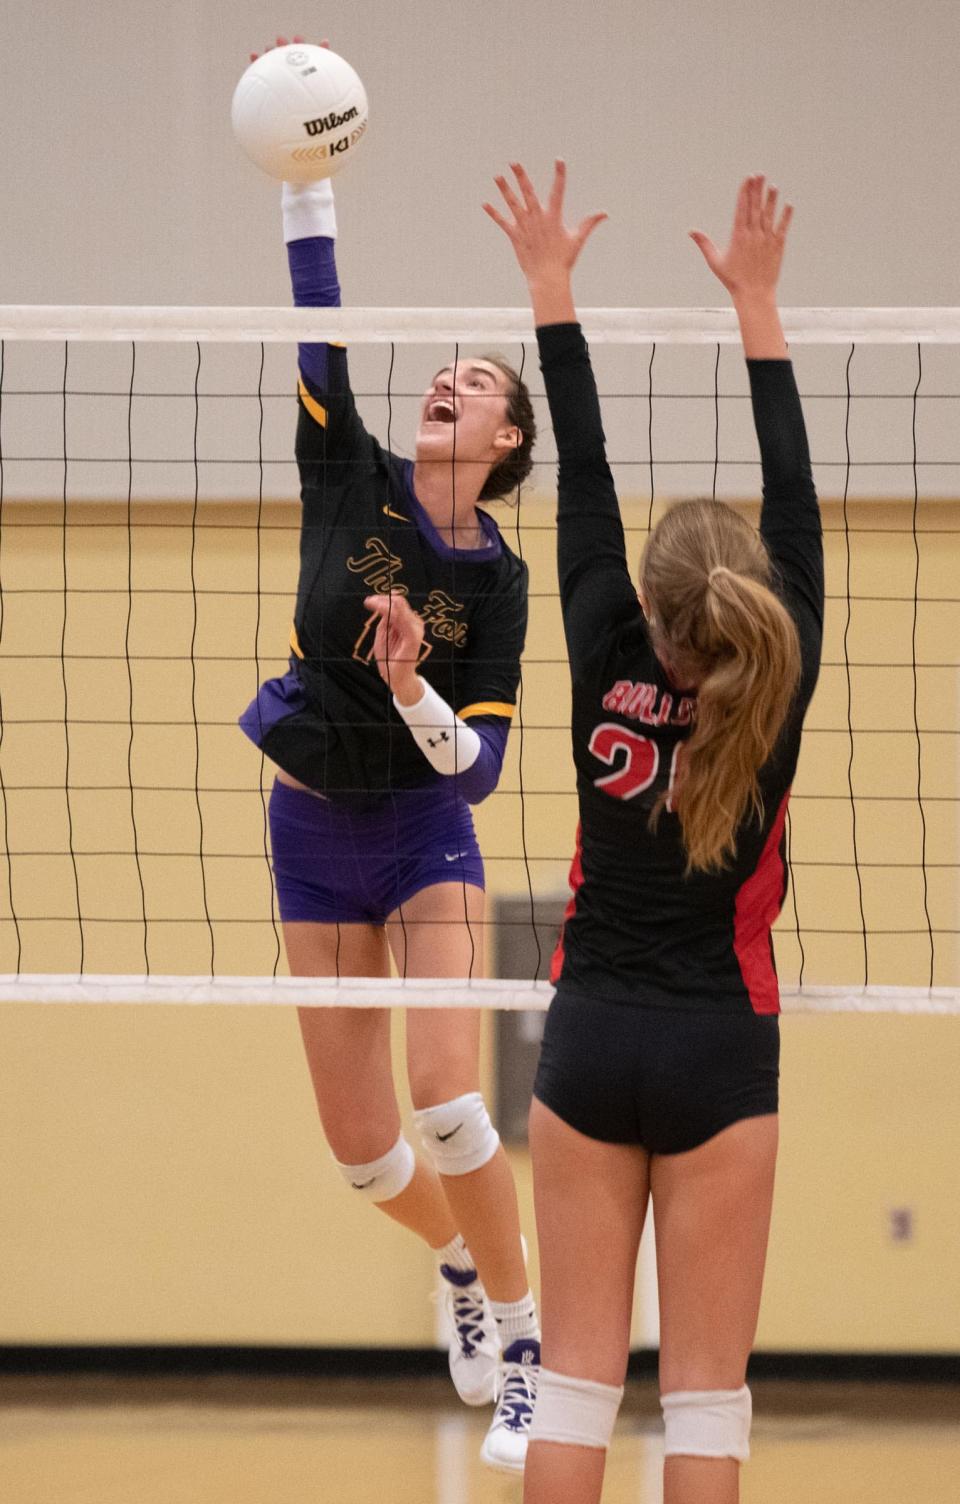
(123, 182)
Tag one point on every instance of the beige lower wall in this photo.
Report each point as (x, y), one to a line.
(162, 1173)
(164, 1180)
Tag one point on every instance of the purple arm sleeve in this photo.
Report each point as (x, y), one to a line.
(481, 779)
(313, 272)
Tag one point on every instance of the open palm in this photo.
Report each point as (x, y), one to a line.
(545, 246)
(754, 255)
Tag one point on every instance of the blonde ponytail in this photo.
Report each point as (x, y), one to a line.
(715, 618)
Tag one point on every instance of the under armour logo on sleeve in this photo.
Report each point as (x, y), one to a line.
(443, 737)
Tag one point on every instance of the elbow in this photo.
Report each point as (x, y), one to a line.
(475, 789)
(475, 783)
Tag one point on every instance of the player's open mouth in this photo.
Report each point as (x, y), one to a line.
(441, 410)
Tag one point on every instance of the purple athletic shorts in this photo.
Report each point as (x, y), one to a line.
(356, 862)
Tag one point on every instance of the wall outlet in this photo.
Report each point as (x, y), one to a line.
(900, 1224)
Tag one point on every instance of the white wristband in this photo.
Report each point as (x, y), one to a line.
(308, 210)
(448, 744)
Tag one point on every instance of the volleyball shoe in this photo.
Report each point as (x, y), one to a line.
(505, 1444)
(474, 1348)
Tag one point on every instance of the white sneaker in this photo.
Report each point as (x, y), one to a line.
(474, 1351)
(505, 1444)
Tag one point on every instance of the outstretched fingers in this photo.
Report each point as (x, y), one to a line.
(546, 247)
(771, 224)
(508, 229)
(530, 200)
(751, 262)
(509, 197)
(587, 226)
(282, 42)
(756, 200)
(707, 249)
(558, 187)
(741, 214)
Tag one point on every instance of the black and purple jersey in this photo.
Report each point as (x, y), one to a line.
(639, 929)
(330, 721)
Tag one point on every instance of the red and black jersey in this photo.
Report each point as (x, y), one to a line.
(639, 929)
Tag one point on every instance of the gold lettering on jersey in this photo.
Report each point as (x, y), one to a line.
(364, 645)
(438, 611)
(379, 568)
(646, 703)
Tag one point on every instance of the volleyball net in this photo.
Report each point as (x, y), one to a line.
(149, 524)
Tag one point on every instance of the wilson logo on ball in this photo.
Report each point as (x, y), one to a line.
(328, 122)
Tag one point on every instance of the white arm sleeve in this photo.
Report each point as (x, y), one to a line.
(308, 210)
(448, 744)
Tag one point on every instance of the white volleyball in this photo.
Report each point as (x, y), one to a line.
(300, 112)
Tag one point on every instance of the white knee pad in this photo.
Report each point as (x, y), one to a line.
(574, 1412)
(458, 1135)
(707, 1423)
(382, 1178)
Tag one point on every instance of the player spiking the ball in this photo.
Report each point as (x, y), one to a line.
(391, 721)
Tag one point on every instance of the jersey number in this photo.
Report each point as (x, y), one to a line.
(638, 758)
(363, 647)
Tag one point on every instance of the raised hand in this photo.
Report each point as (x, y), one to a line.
(284, 42)
(546, 248)
(751, 262)
(397, 644)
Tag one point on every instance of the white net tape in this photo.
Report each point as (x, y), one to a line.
(419, 326)
(399, 992)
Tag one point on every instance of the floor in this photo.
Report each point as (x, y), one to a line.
(287, 1441)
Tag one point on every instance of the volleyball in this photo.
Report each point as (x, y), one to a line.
(300, 112)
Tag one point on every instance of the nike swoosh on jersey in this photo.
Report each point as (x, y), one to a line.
(361, 1185)
(444, 1136)
(448, 858)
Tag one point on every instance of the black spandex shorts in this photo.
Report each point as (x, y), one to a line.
(666, 1079)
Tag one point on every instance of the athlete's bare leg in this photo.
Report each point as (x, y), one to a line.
(591, 1200)
(439, 933)
(348, 1052)
(712, 1218)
